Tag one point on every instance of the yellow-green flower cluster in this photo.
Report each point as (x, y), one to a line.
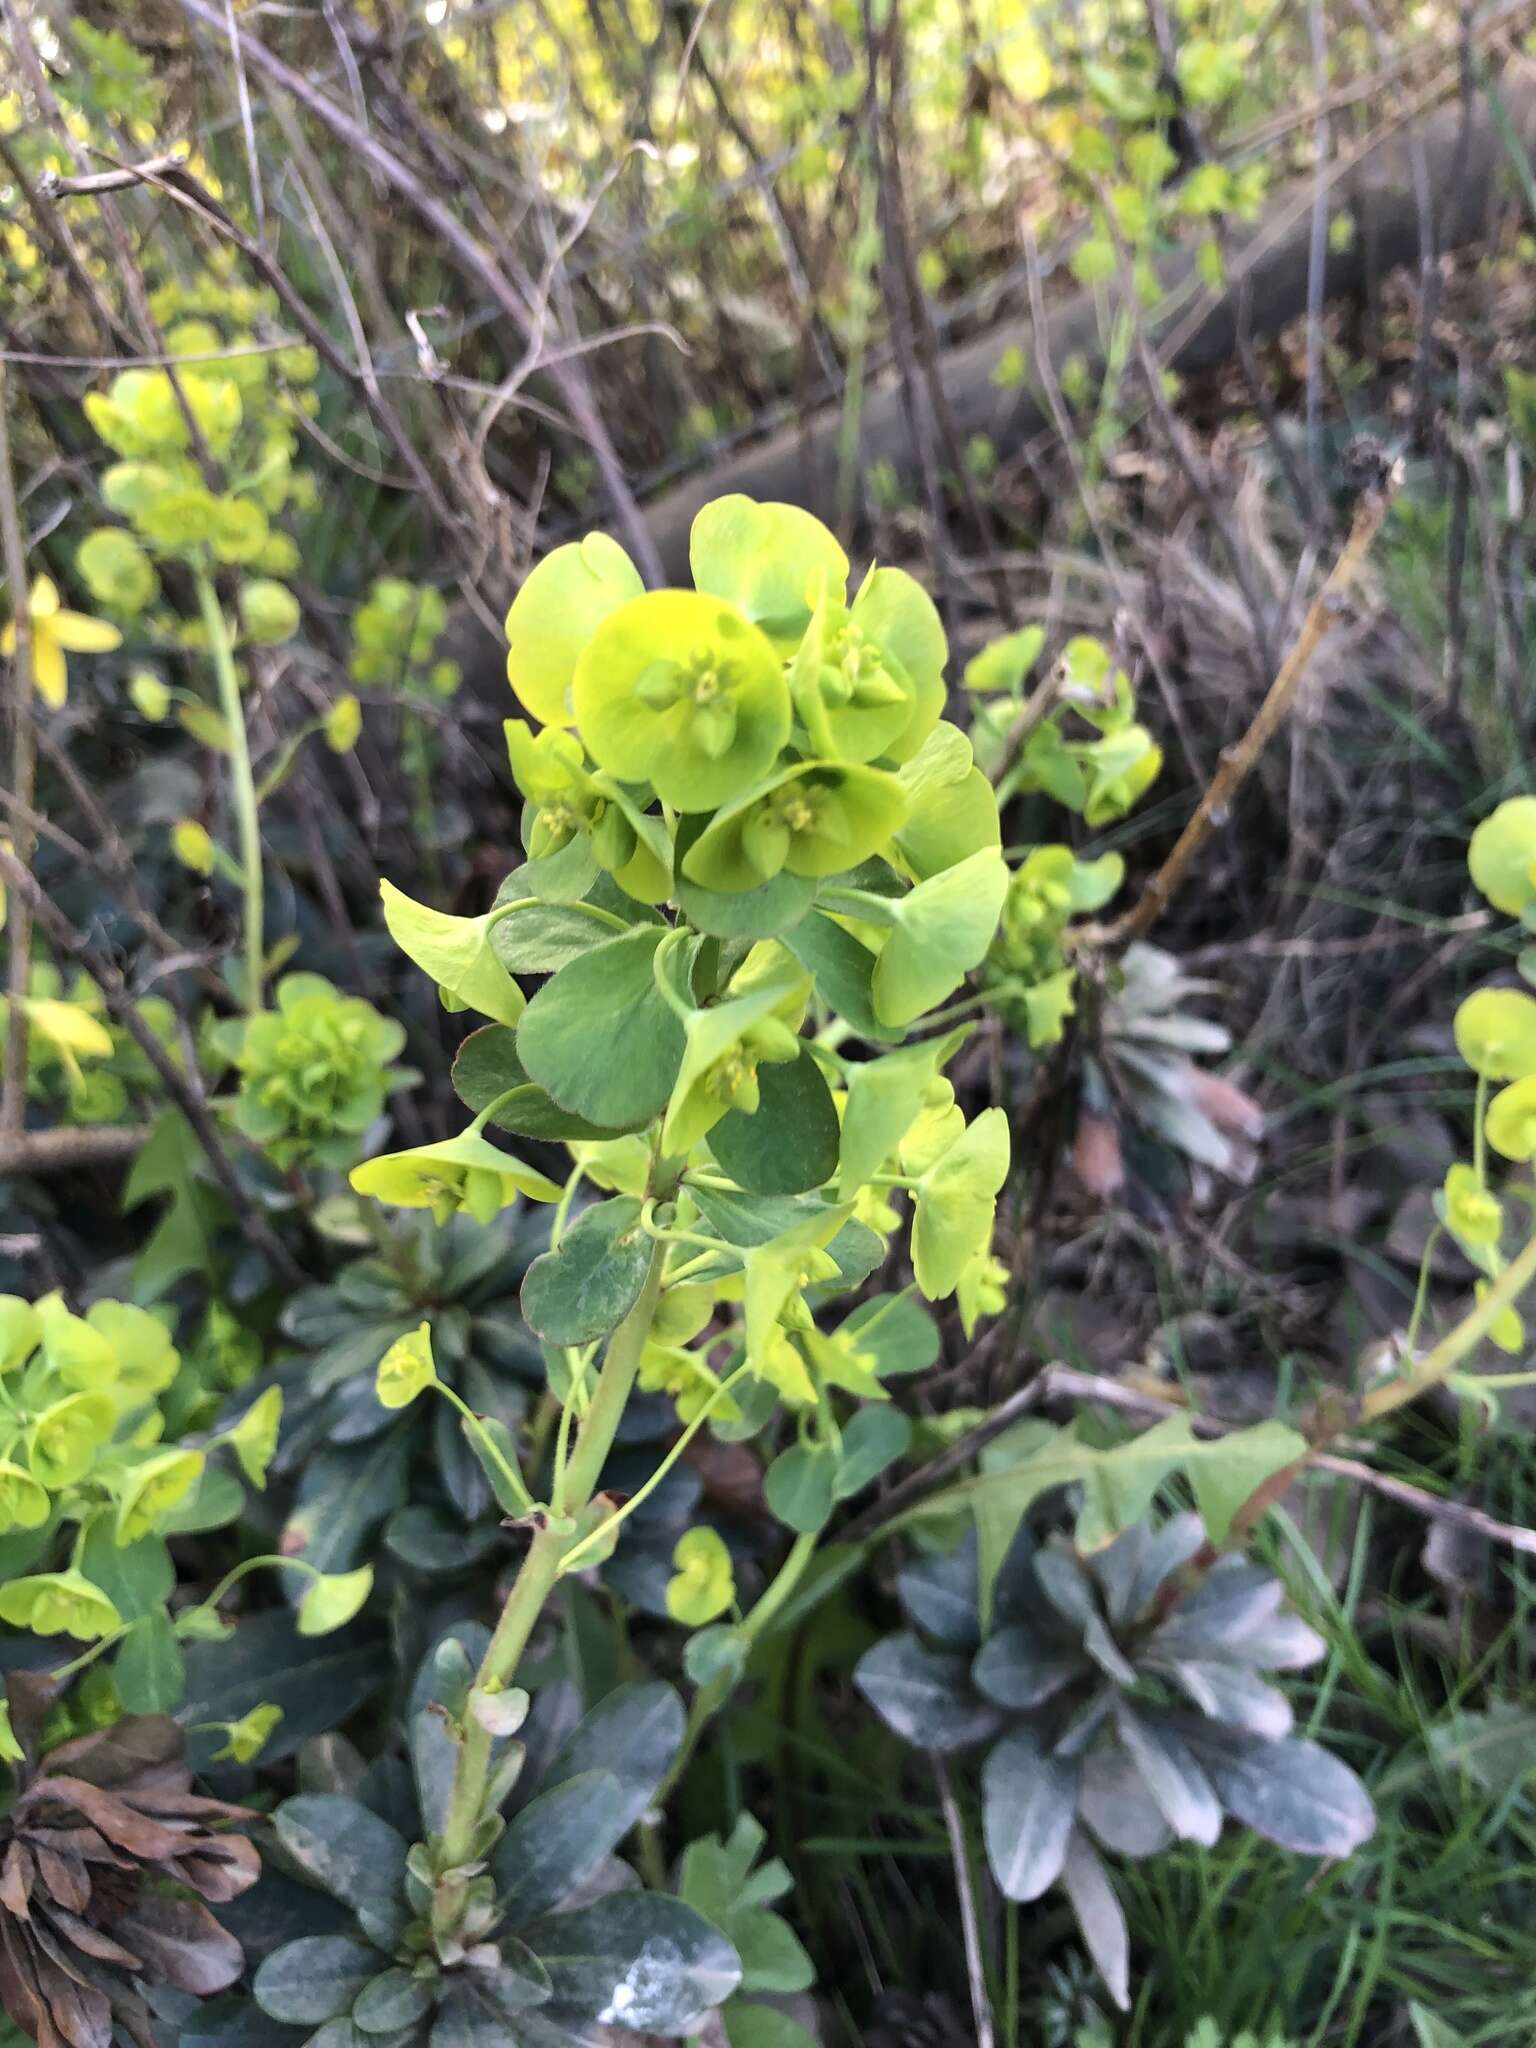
(314, 1072)
(795, 727)
(1495, 1030)
(228, 398)
(81, 1430)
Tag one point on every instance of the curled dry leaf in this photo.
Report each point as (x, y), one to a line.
(108, 1860)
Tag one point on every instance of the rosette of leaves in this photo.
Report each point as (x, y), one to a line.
(1141, 1081)
(414, 1470)
(1121, 1710)
(547, 1934)
(313, 1072)
(109, 1866)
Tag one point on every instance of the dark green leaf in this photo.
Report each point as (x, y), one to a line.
(789, 1145)
(1292, 1791)
(344, 1494)
(1226, 1692)
(1118, 1807)
(1018, 1667)
(352, 1854)
(486, 1066)
(1171, 1772)
(1234, 1600)
(606, 1959)
(590, 1282)
(149, 1673)
(600, 1037)
(429, 1539)
(842, 970)
(315, 1979)
(750, 1220)
(941, 1593)
(716, 1656)
(558, 1840)
(1099, 1916)
(1027, 1802)
(319, 1682)
(635, 1733)
(925, 1695)
(395, 2000)
(799, 1487)
(874, 1437)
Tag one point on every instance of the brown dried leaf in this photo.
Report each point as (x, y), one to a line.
(122, 1824)
(113, 1757)
(219, 1870)
(181, 1941)
(63, 1878)
(18, 1873)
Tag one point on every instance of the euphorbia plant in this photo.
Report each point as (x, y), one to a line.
(754, 845)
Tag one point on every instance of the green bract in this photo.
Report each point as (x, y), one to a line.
(466, 1173)
(554, 615)
(815, 818)
(679, 690)
(456, 952)
(1502, 856)
(59, 1603)
(116, 570)
(773, 562)
(1496, 1033)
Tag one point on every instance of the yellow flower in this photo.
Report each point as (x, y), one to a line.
(56, 632)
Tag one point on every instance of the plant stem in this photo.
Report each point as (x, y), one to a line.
(1439, 1362)
(242, 781)
(532, 1587)
(709, 1698)
(540, 1569)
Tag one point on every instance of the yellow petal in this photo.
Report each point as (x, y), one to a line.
(48, 671)
(44, 600)
(84, 635)
(8, 637)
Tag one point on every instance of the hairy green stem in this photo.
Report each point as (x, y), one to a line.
(242, 781)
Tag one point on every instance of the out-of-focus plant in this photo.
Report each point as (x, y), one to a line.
(395, 633)
(92, 1488)
(206, 468)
